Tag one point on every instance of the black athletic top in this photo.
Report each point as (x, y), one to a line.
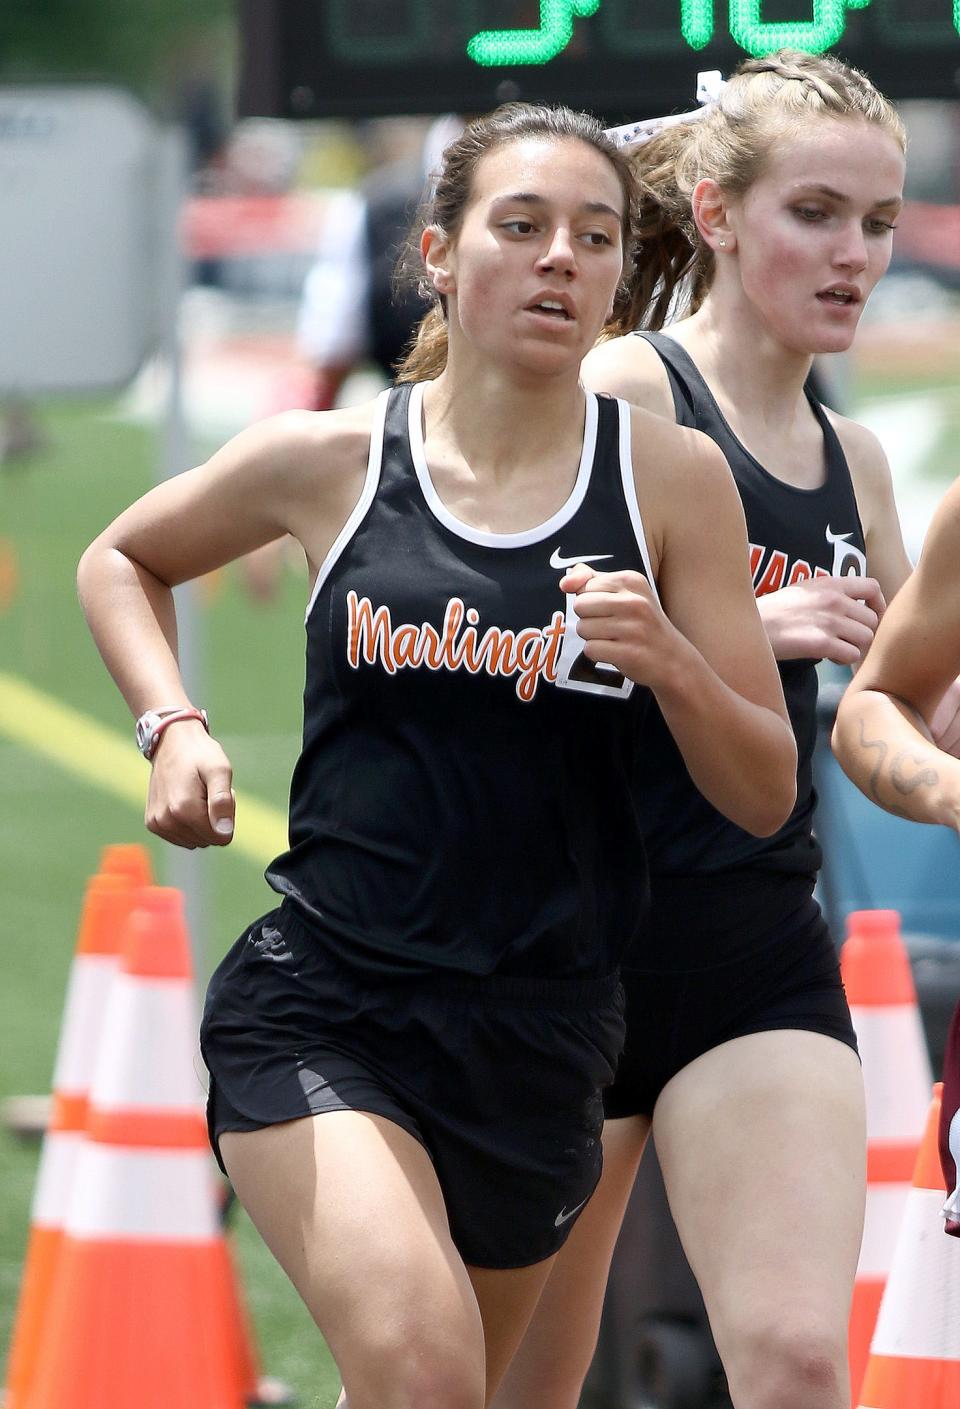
(463, 801)
(794, 534)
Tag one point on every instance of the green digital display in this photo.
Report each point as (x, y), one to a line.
(620, 58)
(697, 20)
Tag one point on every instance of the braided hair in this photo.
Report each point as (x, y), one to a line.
(761, 103)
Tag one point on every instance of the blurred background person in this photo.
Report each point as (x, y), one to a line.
(351, 312)
(352, 316)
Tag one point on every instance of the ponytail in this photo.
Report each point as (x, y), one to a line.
(426, 354)
(670, 254)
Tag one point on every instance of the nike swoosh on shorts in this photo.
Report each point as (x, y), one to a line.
(564, 1213)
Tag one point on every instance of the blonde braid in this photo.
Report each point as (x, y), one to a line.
(758, 106)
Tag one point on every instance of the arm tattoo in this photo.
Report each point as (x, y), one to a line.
(926, 778)
(874, 744)
(902, 782)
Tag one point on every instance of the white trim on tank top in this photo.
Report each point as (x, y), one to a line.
(539, 531)
(370, 485)
(630, 489)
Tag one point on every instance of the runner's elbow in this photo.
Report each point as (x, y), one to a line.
(776, 797)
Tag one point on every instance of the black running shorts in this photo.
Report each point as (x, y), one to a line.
(722, 956)
(499, 1078)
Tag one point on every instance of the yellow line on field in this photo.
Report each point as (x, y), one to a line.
(108, 761)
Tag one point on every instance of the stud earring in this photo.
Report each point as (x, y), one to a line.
(722, 244)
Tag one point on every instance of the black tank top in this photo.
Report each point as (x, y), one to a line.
(794, 534)
(464, 801)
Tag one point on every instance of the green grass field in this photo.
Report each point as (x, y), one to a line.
(53, 825)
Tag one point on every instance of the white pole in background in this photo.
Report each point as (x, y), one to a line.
(185, 869)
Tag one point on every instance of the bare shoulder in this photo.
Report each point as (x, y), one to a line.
(683, 480)
(346, 424)
(676, 455)
(887, 558)
(629, 367)
(306, 461)
(865, 456)
(306, 444)
(322, 461)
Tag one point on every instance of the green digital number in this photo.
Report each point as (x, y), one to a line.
(696, 22)
(408, 35)
(504, 47)
(757, 37)
(501, 47)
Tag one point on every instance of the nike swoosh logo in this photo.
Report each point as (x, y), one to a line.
(564, 1213)
(556, 561)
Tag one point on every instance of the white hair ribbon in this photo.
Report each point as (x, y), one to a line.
(710, 85)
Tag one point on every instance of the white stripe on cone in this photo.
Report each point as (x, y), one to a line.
(896, 1068)
(144, 1016)
(91, 976)
(920, 1313)
(58, 1164)
(886, 1204)
(151, 1194)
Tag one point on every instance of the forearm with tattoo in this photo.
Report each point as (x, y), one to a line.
(899, 776)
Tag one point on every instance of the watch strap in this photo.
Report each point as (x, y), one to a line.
(151, 725)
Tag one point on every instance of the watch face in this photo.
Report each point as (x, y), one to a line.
(145, 727)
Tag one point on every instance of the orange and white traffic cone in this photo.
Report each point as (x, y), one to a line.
(141, 1314)
(127, 859)
(915, 1356)
(103, 922)
(896, 1074)
(132, 859)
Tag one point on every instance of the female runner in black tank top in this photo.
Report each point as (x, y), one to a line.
(775, 210)
(439, 983)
